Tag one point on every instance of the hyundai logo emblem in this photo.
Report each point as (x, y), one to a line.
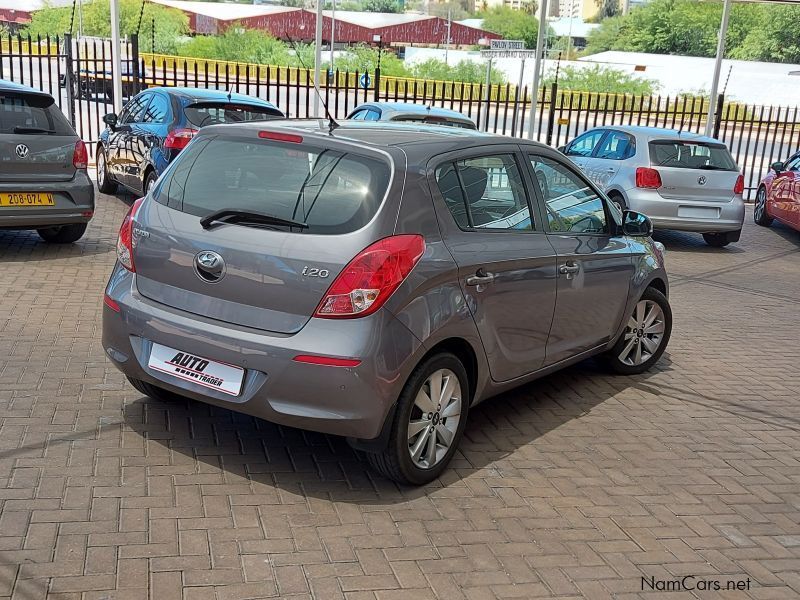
(22, 150)
(209, 266)
(701, 180)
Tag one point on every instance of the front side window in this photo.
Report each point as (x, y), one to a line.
(485, 193)
(793, 164)
(617, 146)
(333, 192)
(572, 205)
(584, 145)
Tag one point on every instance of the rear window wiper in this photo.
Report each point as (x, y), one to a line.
(33, 130)
(245, 217)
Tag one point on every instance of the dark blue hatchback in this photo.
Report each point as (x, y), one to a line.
(156, 124)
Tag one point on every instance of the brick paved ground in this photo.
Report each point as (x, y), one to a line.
(577, 485)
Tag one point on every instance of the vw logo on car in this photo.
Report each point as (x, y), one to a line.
(209, 266)
(701, 180)
(22, 150)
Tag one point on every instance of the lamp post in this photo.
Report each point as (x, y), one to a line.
(379, 40)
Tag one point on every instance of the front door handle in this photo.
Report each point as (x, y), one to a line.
(569, 269)
(481, 277)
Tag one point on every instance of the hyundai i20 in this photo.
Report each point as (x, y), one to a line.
(376, 281)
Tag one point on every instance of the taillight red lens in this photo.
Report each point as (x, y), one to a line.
(738, 187)
(177, 139)
(648, 178)
(110, 303)
(125, 239)
(80, 158)
(327, 361)
(368, 280)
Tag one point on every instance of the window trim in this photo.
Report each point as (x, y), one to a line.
(451, 158)
(603, 133)
(612, 226)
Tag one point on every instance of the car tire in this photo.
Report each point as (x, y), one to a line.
(717, 240)
(155, 392)
(411, 459)
(149, 181)
(63, 234)
(105, 184)
(760, 214)
(627, 357)
(617, 199)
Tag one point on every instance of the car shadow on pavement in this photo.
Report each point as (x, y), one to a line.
(27, 246)
(206, 440)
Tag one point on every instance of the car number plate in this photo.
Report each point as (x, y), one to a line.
(26, 199)
(698, 212)
(202, 371)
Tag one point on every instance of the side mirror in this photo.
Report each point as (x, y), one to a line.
(777, 167)
(635, 224)
(110, 119)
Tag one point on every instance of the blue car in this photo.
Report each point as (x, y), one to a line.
(156, 124)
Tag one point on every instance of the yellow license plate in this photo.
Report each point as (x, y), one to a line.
(26, 199)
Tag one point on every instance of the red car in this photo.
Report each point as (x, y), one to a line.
(778, 195)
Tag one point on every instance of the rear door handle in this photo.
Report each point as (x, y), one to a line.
(481, 277)
(569, 269)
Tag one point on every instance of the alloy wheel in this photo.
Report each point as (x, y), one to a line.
(434, 418)
(761, 204)
(101, 169)
(643, 333)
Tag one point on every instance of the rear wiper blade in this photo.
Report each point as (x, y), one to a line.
(24, 129)
(242, 217)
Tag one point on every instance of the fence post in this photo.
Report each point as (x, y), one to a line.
(135, 88)
(69, 78)
(718, 114)
(377, 82)
(551, 117)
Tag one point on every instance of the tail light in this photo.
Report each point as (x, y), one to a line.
(368, 280)
(125, 239)
(80, 158)
(648, 178)
(178, 139)
(738, 187)
(111, 303)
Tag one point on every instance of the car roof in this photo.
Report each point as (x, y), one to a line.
(659, 133)
(409, 108)
(10, 86)
(204, 95)
(413, 138)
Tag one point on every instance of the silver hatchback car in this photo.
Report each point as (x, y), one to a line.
(680, 180)
(376, 281)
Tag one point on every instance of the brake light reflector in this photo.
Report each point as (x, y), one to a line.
(328, 361)
(280, 137)
(738, 187)
(80, 158)
(110, 303)
(125, 239)
(368, 280)
(177, 139)
(648, 178)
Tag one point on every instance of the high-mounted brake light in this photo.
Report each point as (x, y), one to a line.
(125, 239)
(280, 137)
(327, 361)
(738, 187)
(80, 158)
(368, 280)
(177, 139)
(648, 178)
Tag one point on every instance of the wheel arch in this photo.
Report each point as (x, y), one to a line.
(462, 350)
(659, 284)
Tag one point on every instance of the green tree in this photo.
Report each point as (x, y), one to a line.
(512, 24)
(365, 58)
(465, 70)
(384, 6)
(774, 36)
(607, 8)
(248, 45)
(171, 24)
(598, 78)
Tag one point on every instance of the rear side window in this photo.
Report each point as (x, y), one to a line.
(31, 114)
(617, 146)
(332, 191)
(201, 114)
(691, 155)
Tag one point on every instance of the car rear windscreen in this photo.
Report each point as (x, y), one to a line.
(435, 121)
(333, 192)
(691, 155)
(31, 114)
(201, 114)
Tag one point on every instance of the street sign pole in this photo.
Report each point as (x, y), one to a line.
(116, 61)
(712, 101)
(537, 65)
(318, 57)
(487, 95)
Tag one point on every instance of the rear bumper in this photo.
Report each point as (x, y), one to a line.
(74, 203)
(352, 402)
(677, 214)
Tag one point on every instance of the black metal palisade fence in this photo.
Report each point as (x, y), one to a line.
(78, 73)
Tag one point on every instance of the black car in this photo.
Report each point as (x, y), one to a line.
(156, 124)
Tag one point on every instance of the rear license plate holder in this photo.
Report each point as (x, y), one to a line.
(187, 366)
(698, 212)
